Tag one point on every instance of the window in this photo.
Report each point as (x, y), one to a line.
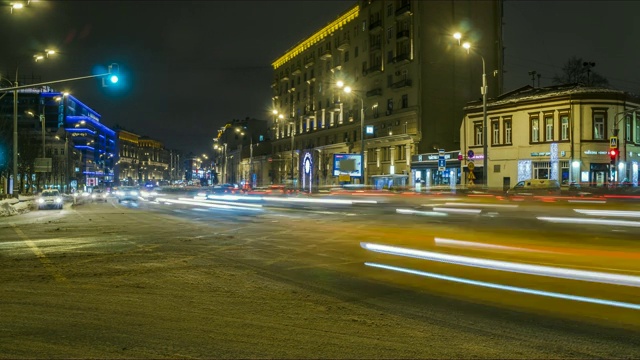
(364, 25)
(564, 127)
(627, 130)
(355, 54)
(389, 56)
(495, 131)
(507, 131)
(389, 9)
(535, 129)
(477, 131)
(389, 106)
(548, 120)
(389, 80)
(401, 152)
(405, 101)
(389, 33)
(346, 56)
(541, 170)
(598, 126)
(635, 116)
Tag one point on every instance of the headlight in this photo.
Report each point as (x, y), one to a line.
(104, 195)
(144, 193)
(85, 194)
(134, 193)
(58, 200)
(40, 200)
(93, 196)
(119, 193)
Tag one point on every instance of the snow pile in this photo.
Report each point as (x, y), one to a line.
(11, 207)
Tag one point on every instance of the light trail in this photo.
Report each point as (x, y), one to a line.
(458, 211)
(570, 220)
(418, 212)
(462, 243)
(538, 270)
(482, 205)
(220, 202)
(508, 288)
(620, 213)
(209, 204)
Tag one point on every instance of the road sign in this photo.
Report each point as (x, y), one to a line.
(470, 166)
(470, 154)
(613, 142)
(442, 162)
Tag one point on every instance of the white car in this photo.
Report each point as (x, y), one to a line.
(99, 195)
(50, 199)
(127, 193)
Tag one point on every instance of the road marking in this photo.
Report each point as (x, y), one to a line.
(41, 256)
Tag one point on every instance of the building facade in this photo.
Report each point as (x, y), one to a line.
(409, 80)
(563, 133)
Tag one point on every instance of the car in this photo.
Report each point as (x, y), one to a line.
(149, 193)
(127, 193)
(50, 199)
(99, 195)
(535, 187)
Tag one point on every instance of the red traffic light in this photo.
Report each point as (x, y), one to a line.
(613, 152)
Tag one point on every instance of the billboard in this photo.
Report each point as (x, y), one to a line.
(347, 164)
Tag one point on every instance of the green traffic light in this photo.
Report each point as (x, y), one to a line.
(113, 78)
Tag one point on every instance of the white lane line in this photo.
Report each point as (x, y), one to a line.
(418, 212)
(458, 211)
(483, 205)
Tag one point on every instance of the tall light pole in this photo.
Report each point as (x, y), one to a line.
(348, 90)
(483, 90)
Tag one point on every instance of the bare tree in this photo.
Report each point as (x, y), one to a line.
(577, 71)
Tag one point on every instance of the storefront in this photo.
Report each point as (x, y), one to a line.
(427, 173)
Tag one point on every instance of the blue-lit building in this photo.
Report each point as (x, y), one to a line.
(93, 140)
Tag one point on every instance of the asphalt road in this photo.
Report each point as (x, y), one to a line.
(175, 278)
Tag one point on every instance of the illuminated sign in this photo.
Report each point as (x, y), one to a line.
(369, 130)
(593, 152)
(350, 164)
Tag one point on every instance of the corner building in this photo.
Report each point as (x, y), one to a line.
(410, 80)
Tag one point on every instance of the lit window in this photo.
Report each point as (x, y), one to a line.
(598, 127)
(507, 131)
(495, 125)
(535, 130)
(549, 128)
(477, 131)
(564, 123)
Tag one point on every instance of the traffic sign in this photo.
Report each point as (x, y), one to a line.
(470, 154)
(613, 142)
(470, 166)
(442, 162)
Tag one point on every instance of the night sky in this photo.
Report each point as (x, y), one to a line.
(189, 67)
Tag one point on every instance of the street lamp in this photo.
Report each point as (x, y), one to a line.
(348, 90)
(483, 90)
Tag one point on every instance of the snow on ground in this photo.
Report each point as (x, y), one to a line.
(11, 207)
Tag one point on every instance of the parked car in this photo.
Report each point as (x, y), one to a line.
(127, 193)
(535, 187)
(50, 199)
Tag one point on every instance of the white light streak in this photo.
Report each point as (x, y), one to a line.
(220, 202)
(208, 204)
(508, 288)
(539, 270)
(462, 243)
(459, 211)
(482, 205)
(620, 213)
(569, 220)
(418, 212)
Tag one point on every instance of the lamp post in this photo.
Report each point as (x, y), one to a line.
(293, 136)
(483, 90)
(348, 90)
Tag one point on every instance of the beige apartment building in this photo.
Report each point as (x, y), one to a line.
(562, 133)
(409, 77)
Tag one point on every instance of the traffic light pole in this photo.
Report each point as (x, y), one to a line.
(15, 89)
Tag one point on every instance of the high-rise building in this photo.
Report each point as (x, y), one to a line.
(409, 80)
